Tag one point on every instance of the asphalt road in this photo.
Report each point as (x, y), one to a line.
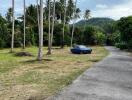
(110, 79)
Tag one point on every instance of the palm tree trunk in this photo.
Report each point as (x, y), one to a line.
(38, 15)
(62, 45)
(53, 22)
(40, 51)
(13, 24)
(85, 25)
(24, 25)
(73, 28)
(49, 36)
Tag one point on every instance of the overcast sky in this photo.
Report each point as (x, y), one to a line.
(99, 8)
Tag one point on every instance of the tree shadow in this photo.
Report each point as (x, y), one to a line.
(56, 48)
(36, 61)
(125, 59)
(23, 54)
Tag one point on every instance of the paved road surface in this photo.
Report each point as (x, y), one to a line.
(110, 79)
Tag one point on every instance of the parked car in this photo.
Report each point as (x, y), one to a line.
(81, 49)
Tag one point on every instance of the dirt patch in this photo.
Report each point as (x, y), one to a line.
(21, 54)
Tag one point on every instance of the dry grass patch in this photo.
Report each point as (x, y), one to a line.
(23, 78)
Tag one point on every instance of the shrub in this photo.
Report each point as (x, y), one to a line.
(2, 43)
(122, 45)
(113, 38)
(89, 35)
(125, 28)
(130, 44)
(100, 38)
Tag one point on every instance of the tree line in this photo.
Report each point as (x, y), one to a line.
(39, 24)
(50, 26)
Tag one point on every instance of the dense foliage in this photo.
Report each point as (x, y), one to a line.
(125, 28)
(4, 33)
(88, 36)
(93, 31)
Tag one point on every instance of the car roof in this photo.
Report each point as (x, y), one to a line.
(81, 46)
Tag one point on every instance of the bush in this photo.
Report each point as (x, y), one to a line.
(89, 35)
(130, 44)
(100, 38)
(2, 43)
(113, 38)
(125, 28)
(122, 45)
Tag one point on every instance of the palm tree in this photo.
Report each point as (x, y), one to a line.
(9, 15)
(73, 28)
(64, 22)
(40, 51)
(53, 22)
(86, 16)
(49, 36)
(77, 15)
(38, 16)
(24, 6)
(13, 24)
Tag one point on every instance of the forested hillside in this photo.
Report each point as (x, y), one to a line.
(96, 22)
(103, 23)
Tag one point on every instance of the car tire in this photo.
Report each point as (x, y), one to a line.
(81, 52)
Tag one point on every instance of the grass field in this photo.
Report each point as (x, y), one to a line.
(23, 78)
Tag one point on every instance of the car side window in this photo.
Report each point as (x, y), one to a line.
(76, 46)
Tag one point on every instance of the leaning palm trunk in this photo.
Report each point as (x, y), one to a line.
(49, 36)
(62, 45)
(40, 51)
(53, 22)
(24, 21)
(13, 19)
(73, 28)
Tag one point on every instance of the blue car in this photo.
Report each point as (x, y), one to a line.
(81, 49)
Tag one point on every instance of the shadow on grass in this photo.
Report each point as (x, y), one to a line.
(95, 60)
(37, 97)
(23, 54)
(57, 48)
(36, 61)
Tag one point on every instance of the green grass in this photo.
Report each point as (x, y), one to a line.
(24, 77)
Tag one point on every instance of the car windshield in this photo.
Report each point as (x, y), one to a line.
(81, 46)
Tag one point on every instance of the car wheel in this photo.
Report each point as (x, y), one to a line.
(81, 52)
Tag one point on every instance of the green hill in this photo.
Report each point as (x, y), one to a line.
(99, 22)
(106, 25)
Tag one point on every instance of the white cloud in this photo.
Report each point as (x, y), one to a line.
(115, 12)
(101, 6)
